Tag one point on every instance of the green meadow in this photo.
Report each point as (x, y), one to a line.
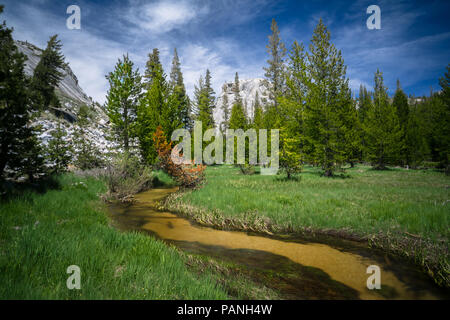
(405, 211)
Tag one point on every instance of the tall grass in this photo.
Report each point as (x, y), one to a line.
(42, 234)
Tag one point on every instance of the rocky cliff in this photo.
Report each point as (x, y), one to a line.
(71, 96)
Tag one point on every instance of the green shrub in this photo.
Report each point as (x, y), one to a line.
(126, 176)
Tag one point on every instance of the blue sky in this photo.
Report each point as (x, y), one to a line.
(226, 36)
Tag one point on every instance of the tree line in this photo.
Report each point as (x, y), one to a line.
(320, 122)
(310, 101)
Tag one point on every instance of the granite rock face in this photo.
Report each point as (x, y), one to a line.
(248, 89)
(71, 97)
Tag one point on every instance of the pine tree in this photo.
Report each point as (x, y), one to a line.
(179, 92)
(258, 114)
(290, 157)
(429, 112)
(329, 108)
(351, 131)
(158, 107)
(198, 90)
(59, 149)
(293, 102)
(122, 100)
(152, 67)
(86, 154)
(400, 103)
(415, 142)
(31, 156)
(364, 104)
(274, 72)
(238, 121)
(47, 74)
(443, 128)
(382, 128)
(237, 118)
(236, 90)
(226, 111)
(18, 141)
(205, 102)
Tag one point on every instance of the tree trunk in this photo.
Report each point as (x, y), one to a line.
(328, 173)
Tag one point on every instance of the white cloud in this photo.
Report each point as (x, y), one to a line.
(221, 59)
(195, 59)
(164, 16)
(354, 84)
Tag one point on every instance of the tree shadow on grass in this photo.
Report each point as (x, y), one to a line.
(284, 178)
(10, 189)
(341, 175)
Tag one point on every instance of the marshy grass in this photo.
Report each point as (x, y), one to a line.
(41, 234)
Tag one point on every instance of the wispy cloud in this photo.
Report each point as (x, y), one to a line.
(164, 16)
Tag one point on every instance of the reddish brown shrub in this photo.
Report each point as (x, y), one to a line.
(187, 175)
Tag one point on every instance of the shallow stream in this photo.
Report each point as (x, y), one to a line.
(300, 269)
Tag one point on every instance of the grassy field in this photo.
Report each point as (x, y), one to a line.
(41, 234)
(405, 211)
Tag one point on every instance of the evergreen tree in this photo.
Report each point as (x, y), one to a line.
(86, 154)
(382, 128)
(122, 100)
(237, 118)
(415, 141)
(225, 109)
(198, 90)
(30, 160)
(258, 114)
(238, 121)
(293, 102)
(152, 67)
(274, 72)
(364, 104)
(328, 115)
(47, 74)
(400, 103)
(205, 102)
(443, 122)
(351, 139)
(59, 149)
(19, 146)
(290, 156)
(179, 92)
(236, 90)
(158, 107)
